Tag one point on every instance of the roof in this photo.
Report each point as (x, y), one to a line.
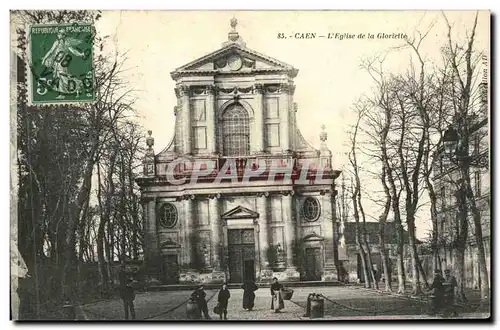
(214, 63)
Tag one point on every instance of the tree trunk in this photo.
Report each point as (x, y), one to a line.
(423, 275)
(460, 239)
(69, 242)
(417, 290)
(81, 245)
(383, 256)
(478, 234)
(400, 261)
(364, 242)
(358, 236)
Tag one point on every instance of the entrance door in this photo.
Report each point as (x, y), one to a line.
(171, 269)
(241, 248)
(313, 264)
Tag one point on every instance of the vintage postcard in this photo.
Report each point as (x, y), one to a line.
(250, 165)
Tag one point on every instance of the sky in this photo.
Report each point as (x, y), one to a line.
(330, 78)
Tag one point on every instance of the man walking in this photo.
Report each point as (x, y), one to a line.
(449, 284)
(438, 293)
(128, 296)
(199, 296)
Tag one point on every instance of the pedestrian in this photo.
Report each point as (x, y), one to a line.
(449, 284)
(378, 276)
(128, 296)
(277, 302)
(223, 299)
(249, 288)
(437, 297)
(375, 275)
(344, 278)
(199, 297)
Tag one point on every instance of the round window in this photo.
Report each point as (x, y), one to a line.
(310, 209)
(168, 215)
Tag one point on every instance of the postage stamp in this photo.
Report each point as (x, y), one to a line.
(60, 58)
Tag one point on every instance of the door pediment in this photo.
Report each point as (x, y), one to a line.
(313, 238)
(240, 212)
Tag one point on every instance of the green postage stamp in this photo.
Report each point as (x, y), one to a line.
(60, 57)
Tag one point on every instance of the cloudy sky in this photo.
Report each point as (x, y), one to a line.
(330, 79)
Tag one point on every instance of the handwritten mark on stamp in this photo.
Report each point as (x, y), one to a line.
(61, 63)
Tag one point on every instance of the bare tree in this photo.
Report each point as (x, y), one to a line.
(463, 61)
(361, 239)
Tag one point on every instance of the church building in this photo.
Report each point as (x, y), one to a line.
(203, 222)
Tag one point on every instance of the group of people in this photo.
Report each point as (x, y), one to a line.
(443, 298)
(249, 288)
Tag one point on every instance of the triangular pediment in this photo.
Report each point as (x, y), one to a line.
(240, 212)
(233, 58)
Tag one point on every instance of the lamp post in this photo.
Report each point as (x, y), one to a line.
(459, 155)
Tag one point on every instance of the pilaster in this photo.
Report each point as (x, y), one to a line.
(184, 92)
(211, 142)
(189, 231)
(258, 143)
(284, 111)
(327, 224)
(262, 201)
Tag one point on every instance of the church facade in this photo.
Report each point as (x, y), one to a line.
(238, 194)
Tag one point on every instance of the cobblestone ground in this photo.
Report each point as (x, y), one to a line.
(159, 305)
(349, 301)
(340, 302)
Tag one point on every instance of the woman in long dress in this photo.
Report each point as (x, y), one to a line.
(249, 288)
(277, 302)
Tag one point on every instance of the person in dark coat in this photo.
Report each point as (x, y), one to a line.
(249, 288)
(128, 296)
(449, 284)
(277, 302)
(223, 299)
(438, 293)
(199, 296)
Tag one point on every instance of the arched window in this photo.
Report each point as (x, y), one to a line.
(235, 131)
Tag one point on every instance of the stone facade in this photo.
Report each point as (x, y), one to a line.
(235, 112)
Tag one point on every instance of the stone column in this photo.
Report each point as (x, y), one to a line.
(287, 209)
(186, 118)
(327, 223)
(189, 232)
(264, 230)
(259, 128)
(213, 209)
(284, 112)
(211, 119)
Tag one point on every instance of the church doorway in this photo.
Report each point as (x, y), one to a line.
(313, 264)
(241, 248)
(171, 269)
